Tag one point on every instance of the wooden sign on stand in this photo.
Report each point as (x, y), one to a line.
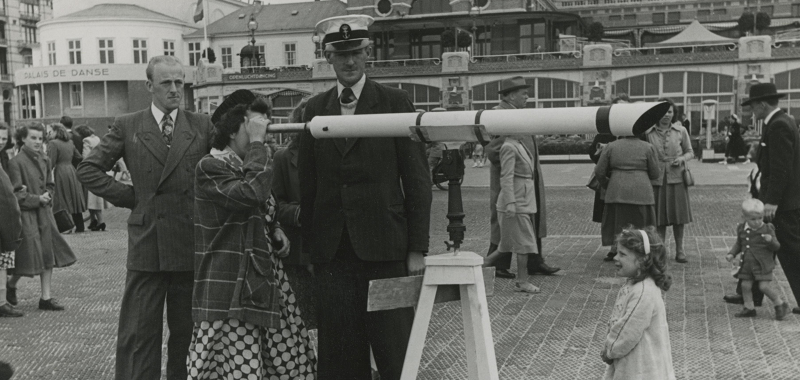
(442, 274)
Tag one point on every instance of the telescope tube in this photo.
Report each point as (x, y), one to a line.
(618, 119)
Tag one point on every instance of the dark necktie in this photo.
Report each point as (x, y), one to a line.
(166, 128)
(347, 96)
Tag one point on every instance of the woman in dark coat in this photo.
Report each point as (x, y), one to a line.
(626, 168)
(10, 231)
(6, 146)
(736, 146)
(674, 149)
(68, 192)
(42, 247)
(242, 305)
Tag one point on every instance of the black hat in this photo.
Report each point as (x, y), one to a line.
(762, 91)
(233, 100)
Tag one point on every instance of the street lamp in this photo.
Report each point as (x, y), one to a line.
(253, 26)
(316, 40)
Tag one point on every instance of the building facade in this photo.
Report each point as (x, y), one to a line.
(90, 64)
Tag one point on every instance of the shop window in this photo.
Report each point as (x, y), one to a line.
(76, 95)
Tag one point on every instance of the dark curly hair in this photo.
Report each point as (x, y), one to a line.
(654, 264)
(233, 119)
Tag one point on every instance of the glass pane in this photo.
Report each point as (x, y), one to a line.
(538, 29)
(637, 86)
(782, 81)
(491, 90)
(420, 94)
(622, 87)
(725, 99)
(559, 89)
(478, 93)
(725, 84)
(710, 83)
(694, 83)
(673, 82)
(433, 94)
(545, 90)
(135, 44)
(524, 30)
(794, 79)
(651, 84)
(570, 89)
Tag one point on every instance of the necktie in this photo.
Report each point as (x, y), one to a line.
(166, 129)
(347, 96)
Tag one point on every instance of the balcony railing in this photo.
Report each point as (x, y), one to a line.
(788, 42)
(526, 56)
(267, 69)
(656, 50)
(30, 16)
(406, 62)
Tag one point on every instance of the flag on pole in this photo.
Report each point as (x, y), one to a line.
(198, 11)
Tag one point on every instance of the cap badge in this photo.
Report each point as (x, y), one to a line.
(345, 31)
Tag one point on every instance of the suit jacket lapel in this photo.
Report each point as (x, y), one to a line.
(366, 102)
(525, 153)
(182, 138)
(333, 108)
(150, 136)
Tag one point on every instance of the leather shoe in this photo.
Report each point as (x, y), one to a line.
(504, 273)
(681, 258)
(50, 304)
(739, 300)
(6, 311)
(746, 313)
(544, 269)
(781, 311)
(11, 296)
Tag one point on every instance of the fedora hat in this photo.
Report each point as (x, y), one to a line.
(345, 33)
(762, 91)
(512, 84)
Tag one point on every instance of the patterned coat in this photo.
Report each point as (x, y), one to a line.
(233, 217)
(42, 245)
(638, 335)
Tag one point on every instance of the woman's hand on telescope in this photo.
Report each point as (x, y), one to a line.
(256, 128)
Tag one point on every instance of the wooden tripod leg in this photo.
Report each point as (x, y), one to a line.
(478, 330)
(419, 331)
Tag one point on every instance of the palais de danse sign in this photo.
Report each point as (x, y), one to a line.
(79, 73)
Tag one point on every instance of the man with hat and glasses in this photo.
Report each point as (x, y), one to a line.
(161, 146)
(364, 211)
(778, 159)
(514, 94)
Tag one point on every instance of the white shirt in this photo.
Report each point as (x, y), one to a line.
(357, 88)
(160, 115)
(771, 114)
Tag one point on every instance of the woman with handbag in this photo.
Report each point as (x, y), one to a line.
(671, 188)
(68, 194)
(247, 323)
(625, 168)
(42, 247)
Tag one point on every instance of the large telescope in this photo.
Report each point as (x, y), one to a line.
(618, 119)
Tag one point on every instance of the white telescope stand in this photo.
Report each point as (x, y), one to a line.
(462, 269)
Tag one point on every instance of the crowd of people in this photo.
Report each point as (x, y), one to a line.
(266, 246)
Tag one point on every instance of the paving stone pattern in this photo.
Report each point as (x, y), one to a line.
(557, 334)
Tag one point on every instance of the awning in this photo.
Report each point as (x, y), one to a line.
(666, 29)
(31, 2)
(621, 32)
(695, 34)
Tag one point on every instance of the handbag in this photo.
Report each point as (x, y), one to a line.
(63, 220)
(594, 183)
(688, 178)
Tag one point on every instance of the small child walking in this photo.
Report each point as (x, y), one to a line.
(637, 345)
(478, 158)
(756, 242)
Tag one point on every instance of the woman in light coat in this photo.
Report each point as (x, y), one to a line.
(674, 149)
(516, 208)
(42, 247)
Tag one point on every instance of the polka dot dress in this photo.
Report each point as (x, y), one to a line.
(230, 349)
(6, 260)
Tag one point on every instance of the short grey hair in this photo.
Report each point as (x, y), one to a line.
(167, 59)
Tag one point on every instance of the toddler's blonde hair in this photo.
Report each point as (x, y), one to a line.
(753, 205)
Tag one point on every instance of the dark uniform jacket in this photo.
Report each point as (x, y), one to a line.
(160, 227)
(377, 188)
(779, 162)
(286, 188)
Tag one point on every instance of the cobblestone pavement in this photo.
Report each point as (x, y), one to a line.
(553, 335)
